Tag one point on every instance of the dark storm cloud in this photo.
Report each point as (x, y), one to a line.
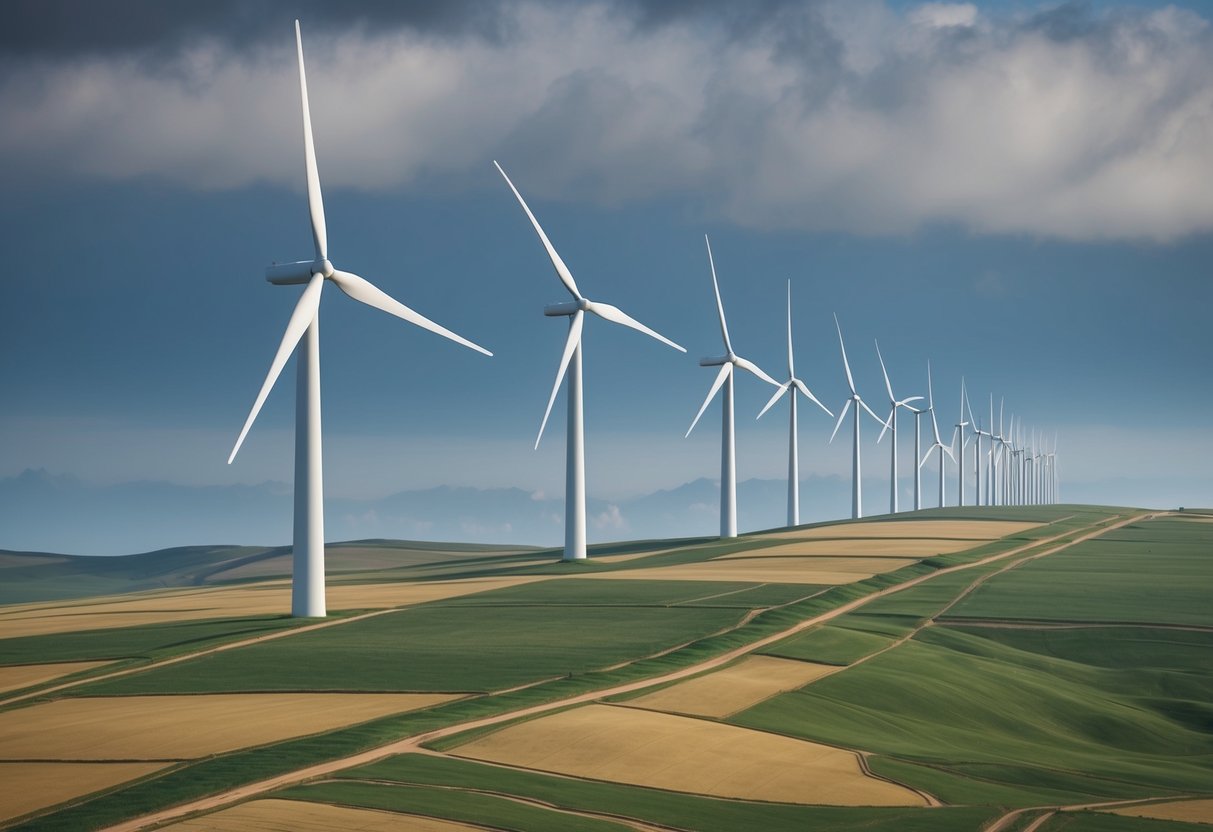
(58, 28)
(852, 115)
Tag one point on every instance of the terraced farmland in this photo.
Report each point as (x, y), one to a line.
(984, 669)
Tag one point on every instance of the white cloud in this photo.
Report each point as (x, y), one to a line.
(846, 116)
(941, 15)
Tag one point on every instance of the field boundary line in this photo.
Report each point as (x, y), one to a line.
(126, 671)
(413, 743)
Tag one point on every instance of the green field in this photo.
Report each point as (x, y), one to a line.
(439, 648)
(1155, 572)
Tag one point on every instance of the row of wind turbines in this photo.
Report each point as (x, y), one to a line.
(1014, 474)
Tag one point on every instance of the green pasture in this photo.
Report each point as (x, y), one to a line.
(439, 648)
(1021, 714)
(1153, 572)
(146, 641)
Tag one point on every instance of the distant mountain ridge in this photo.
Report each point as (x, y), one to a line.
(43, 512)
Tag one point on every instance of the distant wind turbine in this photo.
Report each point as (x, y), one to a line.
(891, 425)
(794, 384)
(307, 584)
(938, 443)
(959, 432)
(857, 400)
(570, 362)
(724, 378)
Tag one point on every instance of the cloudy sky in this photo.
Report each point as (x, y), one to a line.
(1021, 192)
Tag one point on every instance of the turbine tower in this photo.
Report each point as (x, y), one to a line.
(854, 399)
(979, 499)
(938, 443)
(307, 582)
(794, 384)
(570, 362)
(891, 425)
(959, 430)
(724, 378)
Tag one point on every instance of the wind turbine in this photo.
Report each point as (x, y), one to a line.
(307, 584)
(891, 425)
(794, 384)
(964, 443)
(977, 434)
(724, 378)
(938, 443)
(855, 399)
(570, 362)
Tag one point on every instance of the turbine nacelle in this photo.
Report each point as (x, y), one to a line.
(717, 360)
(565, 309)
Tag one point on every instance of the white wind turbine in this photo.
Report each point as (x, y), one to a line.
(959, 431)
(307, 585)
(938, 443)
(570, 362)
(977, 434)
(855, 399)
(724, 378)
(891, 425)
(794, 384)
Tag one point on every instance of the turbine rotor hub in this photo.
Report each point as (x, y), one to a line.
(323, 267)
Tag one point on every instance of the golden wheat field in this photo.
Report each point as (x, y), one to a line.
(300, 816)
(787, 569)
(734, 688)
(26, 787)
(664, 751)
(185, 727)
(15, 677)
(961, 529)
(917, 547)
(1193, 811)
(191, 604)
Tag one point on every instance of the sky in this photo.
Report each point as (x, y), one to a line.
(1018, 192)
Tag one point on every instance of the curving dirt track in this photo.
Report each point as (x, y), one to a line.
(410, 744)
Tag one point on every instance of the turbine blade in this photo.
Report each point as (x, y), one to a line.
(725, 369)
(904, 402)
(888, 424)
(872, 413)
(301, 318)
(841, 416)
(948, 451)
(845, 363)
(887, 385)
(791, 360)
(783, 388)
(724, 327)
(930, 388)
(570, 345)
(562, 271)
(315, 201)
(746, 364)
(804, 388)
(364, 291)
(616, 315)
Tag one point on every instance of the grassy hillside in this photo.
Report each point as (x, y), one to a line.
(1027, 671)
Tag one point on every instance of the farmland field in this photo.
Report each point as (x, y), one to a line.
(925, 674)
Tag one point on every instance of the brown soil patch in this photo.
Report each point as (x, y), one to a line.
(345, 560)
(20, 676)
(1193, 811)
(185, 727)
(967, 529)
(29, 787)
(645, 748)
(735, 688)
(774, 570)
(222, 602)
(882, 547)
(301, 816)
